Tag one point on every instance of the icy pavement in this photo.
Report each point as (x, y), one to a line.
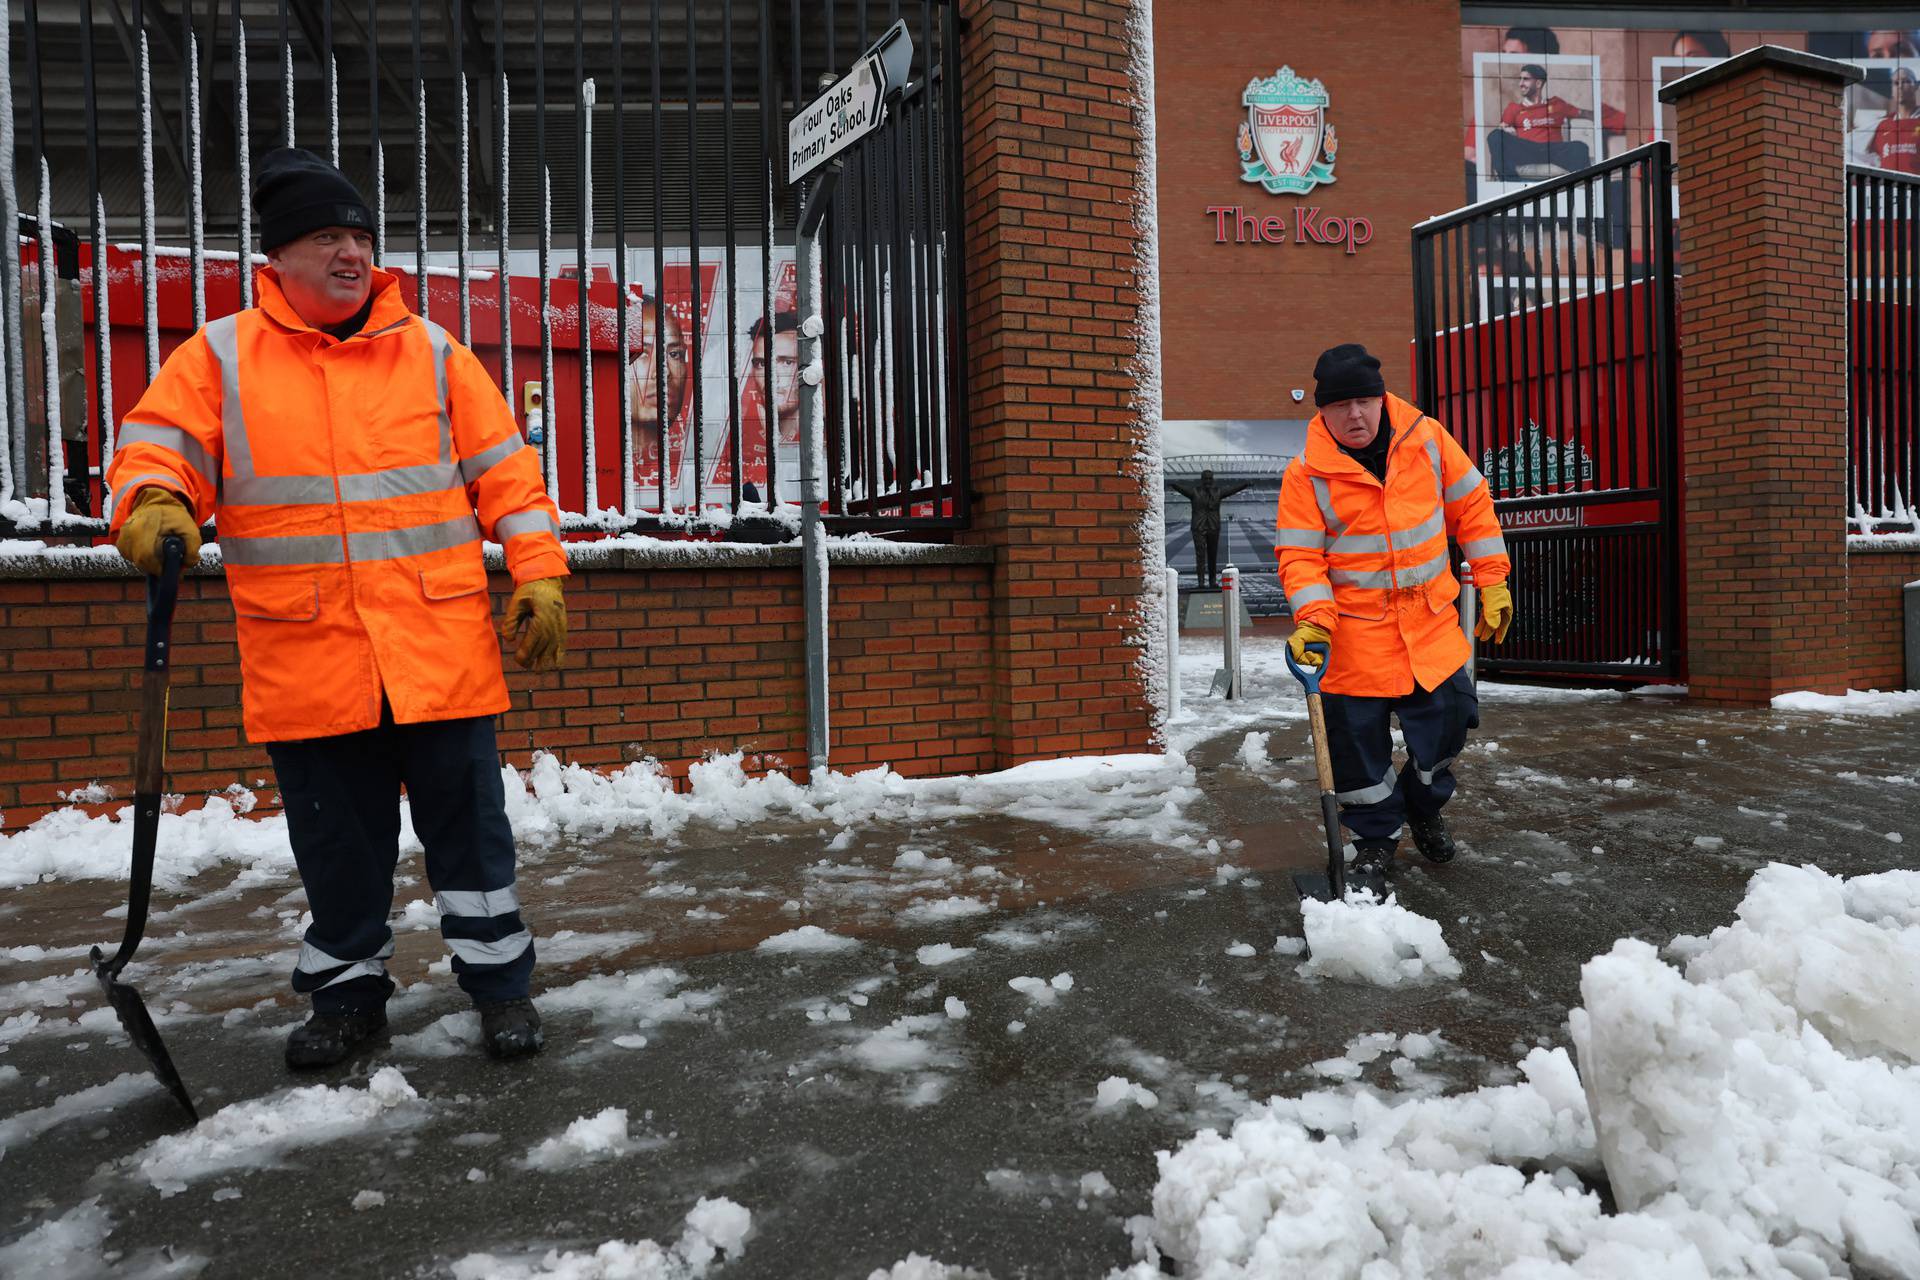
(988, 1003)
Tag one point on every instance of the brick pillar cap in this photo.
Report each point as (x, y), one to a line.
(1766, 55)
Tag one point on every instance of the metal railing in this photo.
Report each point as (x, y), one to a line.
(1883, 351)
(1544, 340)
(592, 197)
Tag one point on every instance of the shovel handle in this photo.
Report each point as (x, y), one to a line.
(150, 752)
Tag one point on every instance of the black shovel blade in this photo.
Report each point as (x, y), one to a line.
(1313, 884)
(138, 1024)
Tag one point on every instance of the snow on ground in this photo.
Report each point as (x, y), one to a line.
(1757, 1115)
(1855, 702)
(714, 1228)
(70, 1248)
(23, 1126)
(939, 953)
(1383, 943)
(808, 939)
(254, 1134)
(1122, 796)
(917, 1267)
(1117, 1091)
(588, 1140)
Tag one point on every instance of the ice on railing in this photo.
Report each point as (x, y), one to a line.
(196, 194)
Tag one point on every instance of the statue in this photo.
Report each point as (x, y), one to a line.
(1206, 498)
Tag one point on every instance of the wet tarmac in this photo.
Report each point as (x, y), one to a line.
(963, 1139)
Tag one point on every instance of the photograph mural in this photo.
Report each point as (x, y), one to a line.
(1539, 101)
(1232, 467)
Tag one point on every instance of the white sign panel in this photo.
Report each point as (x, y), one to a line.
(836, 119)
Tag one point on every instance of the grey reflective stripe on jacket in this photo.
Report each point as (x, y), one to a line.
(381, 544)
(173, 438)
(521, 522)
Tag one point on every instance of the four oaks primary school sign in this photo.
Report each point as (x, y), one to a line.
(1287, 147)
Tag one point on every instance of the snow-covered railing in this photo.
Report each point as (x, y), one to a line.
(1883, 352)
(592, 197)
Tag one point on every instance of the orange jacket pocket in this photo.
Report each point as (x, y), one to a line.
(274, 599)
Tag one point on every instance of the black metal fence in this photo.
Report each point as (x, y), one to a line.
(1544, 340)
(593, 197)
(1883, 351)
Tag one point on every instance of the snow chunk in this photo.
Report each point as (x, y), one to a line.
(1854, 702)
(369, 1200)
(808, 938)
(1240, 949)
(714, 1227)
(1117, 1091)
(916, 860)
(1378, 942)
(916, 1267)
(939, 953)
(1253, 751)
(586, 1141)
(953, 908)
(254, 1134)
(895, 1047)
(956, 1008)
(1041, 990)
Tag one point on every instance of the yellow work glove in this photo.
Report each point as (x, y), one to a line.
(156, 513)
(537, 618)
(1303, 635)
(1496, 613)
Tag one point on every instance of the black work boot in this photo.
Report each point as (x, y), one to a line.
(510, 1028)
(1431, 838)
(1372, 866)
(327, 1038)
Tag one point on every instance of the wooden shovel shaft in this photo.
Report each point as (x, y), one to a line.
(1322, 762)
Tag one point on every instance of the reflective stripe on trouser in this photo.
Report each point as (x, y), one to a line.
(1375, 798)
(342, 797)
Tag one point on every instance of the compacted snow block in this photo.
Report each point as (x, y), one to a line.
(1757, 1116)
(1745, 1101)
(1364, 940)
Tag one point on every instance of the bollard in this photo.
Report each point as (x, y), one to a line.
(1469, 617)
(1173, 643)
(1910, 597)
(1230, 629)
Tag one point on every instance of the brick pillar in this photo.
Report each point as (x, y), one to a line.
(1763, 373)
(1053, 167)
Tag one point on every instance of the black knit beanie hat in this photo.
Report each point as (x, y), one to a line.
(1346, 372)
(296, 192)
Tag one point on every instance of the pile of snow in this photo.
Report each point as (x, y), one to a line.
(939, 953)
(255, 1134)
(1042, 991)
(646, 998)
(1118, 1091)
(1854, 702)
(917, 1267)
(24, 1125)
(1756, 1116)
(714, 1227)
(1365, 940)
(1253, 750)
(586, 1141)
(67, 844)
(71, 1247)
(808, 939)
(938, 910)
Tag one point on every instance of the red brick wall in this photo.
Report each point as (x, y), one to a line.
(669, 662)
(1244, 323)
(1764, 379)
(1876, 618)
(1054, 304)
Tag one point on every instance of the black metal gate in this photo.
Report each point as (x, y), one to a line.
(1544, 340)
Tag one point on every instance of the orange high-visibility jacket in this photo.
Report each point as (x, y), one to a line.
(1368, 562)
(343, 478)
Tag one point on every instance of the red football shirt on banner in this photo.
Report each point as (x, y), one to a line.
(1897, 142)
(1540, 121)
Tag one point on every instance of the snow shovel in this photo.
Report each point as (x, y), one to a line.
(1331, 887)
(148, 777)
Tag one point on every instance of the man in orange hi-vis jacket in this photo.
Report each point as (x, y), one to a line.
(1365, 516)
(353, 456)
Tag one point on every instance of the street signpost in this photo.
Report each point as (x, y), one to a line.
(852, 107)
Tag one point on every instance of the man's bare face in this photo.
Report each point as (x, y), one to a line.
(645, 409)
(1353, 423)
(786, 373)
(1906, 90)
(326, 274)
(1528, 86)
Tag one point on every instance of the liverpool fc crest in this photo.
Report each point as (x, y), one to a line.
(1286, 144)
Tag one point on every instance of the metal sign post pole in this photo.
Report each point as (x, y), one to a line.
(813, 533)
(1173, 643)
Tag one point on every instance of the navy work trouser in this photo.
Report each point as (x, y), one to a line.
(1375, 799)
(342, 798)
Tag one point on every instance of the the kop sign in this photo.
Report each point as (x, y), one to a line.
(1287, 147)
